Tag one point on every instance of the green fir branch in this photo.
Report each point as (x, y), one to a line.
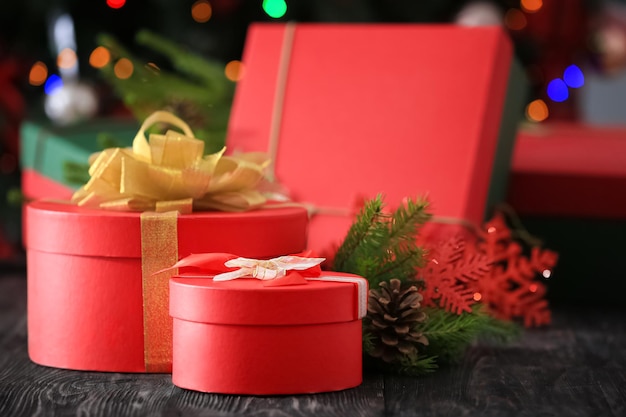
(107, 140)
(449, 334)
(368, 341)
(198, 91)
(417, 365)
(382, 246)
(203, 70)
(75, 173)
(359, 234)
(407, 218)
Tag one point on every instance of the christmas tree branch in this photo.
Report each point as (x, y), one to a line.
(358, 235)
(201, 69)
(450, 334)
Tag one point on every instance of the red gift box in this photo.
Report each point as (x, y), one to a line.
(86, 290)
(350, 111)
(241, 337)
(570, 170)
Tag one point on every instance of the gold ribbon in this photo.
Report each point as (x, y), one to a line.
(159, 249)
(169, 172)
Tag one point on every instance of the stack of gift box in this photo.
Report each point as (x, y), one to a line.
(134, 273)
(568, 186)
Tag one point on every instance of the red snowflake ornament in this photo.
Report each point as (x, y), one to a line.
(451, 275)
(511, 289)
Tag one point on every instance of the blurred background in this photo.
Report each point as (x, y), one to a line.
(66, 61)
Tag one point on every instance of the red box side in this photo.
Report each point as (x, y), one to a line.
(402, 110)
(570, 169)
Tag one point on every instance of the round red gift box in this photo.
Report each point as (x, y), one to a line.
(84, 268)
(241, 337)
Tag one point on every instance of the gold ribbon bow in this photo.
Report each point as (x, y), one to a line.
(169, 172)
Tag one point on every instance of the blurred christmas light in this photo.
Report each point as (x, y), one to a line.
(201, 11)
(480, 13)
(70, 103)
(53, 83)
(573, 76)
(38, 73)
(234, 70)
(123, 68)
(477, 296)
(514, 19)
(546, 273)
(99, 57)
(531, 6)
(557, 90)
(116, 4)
(67, 58)
(275, 8)
(533, 288)
(537, 111)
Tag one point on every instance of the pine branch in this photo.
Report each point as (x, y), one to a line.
(368, 342)
(418, 365)
(450, 334)
(75, 173)
(106, 140)
(381, 247)
(357, 236)
(402, 265)
(207, 72)
(407, 219)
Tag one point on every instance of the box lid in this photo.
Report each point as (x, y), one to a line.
(570, 169)
(248, 302)
(66, 228)
(403, 110)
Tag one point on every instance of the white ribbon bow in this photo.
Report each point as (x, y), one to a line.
(268, 269)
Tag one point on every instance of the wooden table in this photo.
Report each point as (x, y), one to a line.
(575, 367)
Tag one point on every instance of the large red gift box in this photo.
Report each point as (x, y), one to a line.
(89, 305)
(242, 337)
(571, 170)
(350, 111)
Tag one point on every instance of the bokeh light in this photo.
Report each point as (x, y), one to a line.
(67, 58)
(533, 288)
(515, 19)
(537, 111)
(234, 70)
(116, 4)
(53, 83)
(546, 273)
(38, 73)
(275, 8)
(557, 90)
(573, 76)
(201, 11)
(123, 68)
(531, 6)
(99, 57)
(477, 296)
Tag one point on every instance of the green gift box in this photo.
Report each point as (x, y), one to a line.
(54, 157)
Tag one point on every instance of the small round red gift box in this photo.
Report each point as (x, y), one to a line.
(242, 337)
(85, 290)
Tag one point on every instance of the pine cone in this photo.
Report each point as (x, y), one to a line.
(393, 317)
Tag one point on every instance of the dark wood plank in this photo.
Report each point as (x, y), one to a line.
(576, 367)
(27, 389)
